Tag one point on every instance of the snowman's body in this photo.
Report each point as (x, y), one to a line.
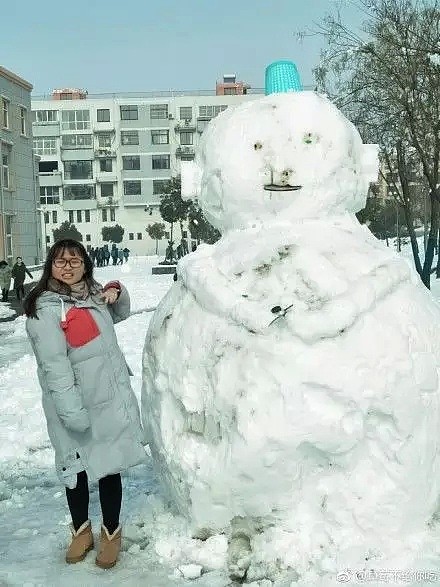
(319, 418)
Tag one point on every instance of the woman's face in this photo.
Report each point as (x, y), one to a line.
(68, 267)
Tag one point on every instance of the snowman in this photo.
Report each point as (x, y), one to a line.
(290, 375)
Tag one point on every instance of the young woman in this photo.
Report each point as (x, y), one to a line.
(91, 411)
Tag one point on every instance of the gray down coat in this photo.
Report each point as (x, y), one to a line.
(92, 414)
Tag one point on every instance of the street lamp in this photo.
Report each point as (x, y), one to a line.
(43, 222)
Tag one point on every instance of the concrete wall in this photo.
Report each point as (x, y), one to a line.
(18, 200)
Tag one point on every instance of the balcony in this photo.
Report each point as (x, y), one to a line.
(107, 203)
(185, 153)
(101, 153)
(50, 178)
(45, 129)
(186, 126)
(84, 154)
(106, 177)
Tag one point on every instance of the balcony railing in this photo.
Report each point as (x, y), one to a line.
(187, 126)
(105, 153)
(185, 152)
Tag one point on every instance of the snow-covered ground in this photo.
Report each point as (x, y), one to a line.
(33, 512)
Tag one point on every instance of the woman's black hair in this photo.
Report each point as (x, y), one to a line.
(57, 249)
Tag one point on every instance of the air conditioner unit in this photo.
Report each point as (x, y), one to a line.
(170, 117)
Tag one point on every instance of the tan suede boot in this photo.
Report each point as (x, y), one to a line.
(82, 543)
(109, 548)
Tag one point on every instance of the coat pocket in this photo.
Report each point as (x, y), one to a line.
(79, 327)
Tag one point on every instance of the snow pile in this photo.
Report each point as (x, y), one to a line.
(291, 392)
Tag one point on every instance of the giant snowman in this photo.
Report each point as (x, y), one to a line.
(291, 391)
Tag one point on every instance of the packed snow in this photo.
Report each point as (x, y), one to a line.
(300, 413)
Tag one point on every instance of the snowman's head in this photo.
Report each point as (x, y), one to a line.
(286, 156)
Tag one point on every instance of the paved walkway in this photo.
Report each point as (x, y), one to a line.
(15, 304)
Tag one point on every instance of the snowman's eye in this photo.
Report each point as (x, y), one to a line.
(258, 146)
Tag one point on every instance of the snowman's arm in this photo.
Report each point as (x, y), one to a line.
(214, 292)
(340, 313)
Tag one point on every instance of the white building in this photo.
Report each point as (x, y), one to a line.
(104, 159)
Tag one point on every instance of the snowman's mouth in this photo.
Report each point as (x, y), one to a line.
(272, 187)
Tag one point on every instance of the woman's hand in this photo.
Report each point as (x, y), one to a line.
(110, 295)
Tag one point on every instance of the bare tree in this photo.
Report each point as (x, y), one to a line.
(387, 81)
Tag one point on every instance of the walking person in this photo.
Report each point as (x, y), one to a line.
(126, 254)
(19, 271)
(120, 257)
(106, 255)
(114, 254)
(91, 411)
(5, 279)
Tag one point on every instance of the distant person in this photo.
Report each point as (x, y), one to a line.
(126, 254)
(120, 257)
(106, 255)
(5, 279)
(92, 413)
(19, 271)
(114, 254)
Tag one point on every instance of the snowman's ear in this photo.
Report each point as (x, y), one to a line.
(191, 175)
(370, 162)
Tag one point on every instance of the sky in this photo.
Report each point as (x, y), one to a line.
(147, 45)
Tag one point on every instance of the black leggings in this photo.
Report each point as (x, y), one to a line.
(110, 496)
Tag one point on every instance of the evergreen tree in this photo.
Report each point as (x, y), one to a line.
(67, 230)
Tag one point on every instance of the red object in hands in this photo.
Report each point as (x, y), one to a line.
(79, 327)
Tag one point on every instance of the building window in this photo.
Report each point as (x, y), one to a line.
(71, 218)
(139, 236)
(132, 188)
(54, 217)
(45, 116)
(76, 141)
(104, 215)
(75, 120)
(78, 216)
(79, 192)
(88, 238)
(129, 137)
(105, 165)
(46, 218)
(132, 162)
(160, 137)
(158, 111)
(49, 195)
(129, 112)
(185, 234)
(186, 138)
(5, 113)
(106, 190)
(131, 236)
(103, 115)
(78, 170)
(104, 141)
(161, 161)
(186, 113)
(211, 111)
(87, 215)
(159, 186)
(45, 146)
(8, 231)
(47, 239)
(112, 215)
(23, 121)
(230, 91)
(5, 171)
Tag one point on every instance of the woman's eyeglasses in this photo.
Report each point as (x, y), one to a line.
(74, 263)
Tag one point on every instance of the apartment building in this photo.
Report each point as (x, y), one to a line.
(105, 158)
(19, 224)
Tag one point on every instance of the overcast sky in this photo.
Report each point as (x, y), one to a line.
(144, 45)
